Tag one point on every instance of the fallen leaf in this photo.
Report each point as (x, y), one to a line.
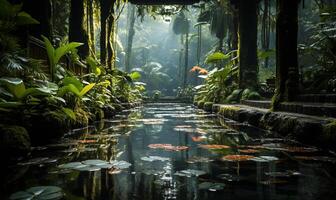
(168, 147)
(237, 158)
(214, 146)
(248, 150)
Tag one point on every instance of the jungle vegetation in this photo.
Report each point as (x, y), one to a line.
(68, 63)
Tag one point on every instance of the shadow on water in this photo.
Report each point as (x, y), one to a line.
(174, 151)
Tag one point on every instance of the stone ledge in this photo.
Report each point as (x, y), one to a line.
(320, 131)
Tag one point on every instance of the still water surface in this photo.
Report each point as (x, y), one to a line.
(175, 151)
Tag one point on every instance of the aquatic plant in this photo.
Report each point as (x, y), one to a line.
(39, 193)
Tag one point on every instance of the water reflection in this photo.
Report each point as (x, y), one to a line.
(234, 161)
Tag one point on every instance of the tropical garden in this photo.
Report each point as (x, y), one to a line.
(92, 90)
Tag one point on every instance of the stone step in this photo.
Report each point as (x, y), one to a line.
(317, 109)
(317, 98)
(309, 129)
(257, 103)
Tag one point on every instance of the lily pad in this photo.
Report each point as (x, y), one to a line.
(265, 159)
(39, 193)
(95, 162)
(168, 147)
(121, 164)
(190, 172)
(95, 165)
(155, 158)
(229, 177)
(197, 159)
(214, 146)
(211, 186)
(285, 174)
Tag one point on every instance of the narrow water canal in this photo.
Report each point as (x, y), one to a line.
(174, 151)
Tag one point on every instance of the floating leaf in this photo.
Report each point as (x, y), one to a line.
(158, 146)
(38, 161)
(211, 186)
(214, 146)
(197, 159)
(265, 159)
(94, 162)
(248, 151)
(273, 182)
(237, 158)
(95, 165)
(39, 193)
(168, 147)
(121, 164)
(190, 172)
(229, 177)
(155, 158)
(283, 174)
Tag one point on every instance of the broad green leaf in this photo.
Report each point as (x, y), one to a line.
(135, 76)
(216, 57)
(74, 81)
(61, 51)
(15, 86)
(86, 89)
(24, 18)
(10, 104)
(50, 51)
(70, 113)
(69, 88)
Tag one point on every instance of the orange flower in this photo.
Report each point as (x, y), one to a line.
(195, 68)
(203, 71)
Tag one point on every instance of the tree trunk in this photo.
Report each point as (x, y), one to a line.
(248, 64)
(109, 41)
(233, 29)
(286, 51)
(91, 26)
(180, 73)
(104, 13)
(76, 29)
(131, 32)
(265, 33)
(186, 59)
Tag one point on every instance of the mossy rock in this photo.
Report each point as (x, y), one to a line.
(250, 95)
(200, 104)
(208, 106)
(234, 97)
(14, 140)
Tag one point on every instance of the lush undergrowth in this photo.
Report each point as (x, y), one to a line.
(36, 106)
